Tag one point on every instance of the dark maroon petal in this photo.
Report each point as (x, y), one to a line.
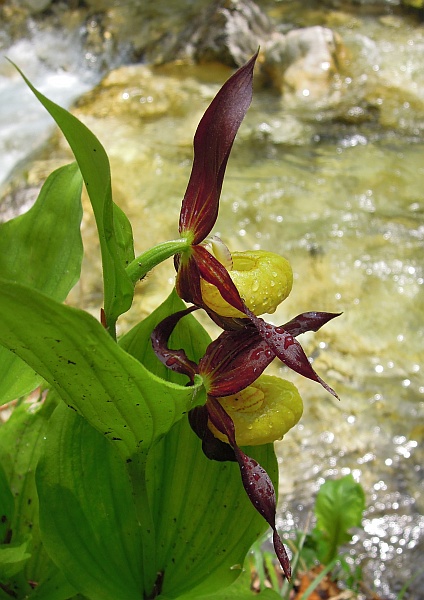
(176, 360)
(212, 447)
(281, 553)
(235, 360)
(198, 419)
(215, 273)
(288, 350)
(260, 490)
(212, 145)
(310, 321)
(256, 480)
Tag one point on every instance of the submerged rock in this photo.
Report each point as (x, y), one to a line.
(305, 65)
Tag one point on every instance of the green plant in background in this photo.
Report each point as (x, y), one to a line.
(338, 508)
(122, 479)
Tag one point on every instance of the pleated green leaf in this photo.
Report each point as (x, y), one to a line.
(239, 590)
(114, 229)
(12, 557)
(205, 523)
(43, 250)
(7, 507)
(54, 586)
(94, 376)
(20, 441)
(87, 513)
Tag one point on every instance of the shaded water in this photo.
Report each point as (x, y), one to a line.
(342, 199)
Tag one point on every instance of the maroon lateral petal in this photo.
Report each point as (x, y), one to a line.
(281, 553)
(260, 490)
(212, 145)
(215, 273)
(310, 321)
(235, 360)
(256, 480)
(176, 360)
(287, 349)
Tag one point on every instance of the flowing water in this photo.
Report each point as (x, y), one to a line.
(343, 201)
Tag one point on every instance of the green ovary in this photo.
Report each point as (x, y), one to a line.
(263, 279)
(263, 412)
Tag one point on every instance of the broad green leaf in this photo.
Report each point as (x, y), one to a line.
(188, 334)
(338, 507)
(87, 513)
(12, 559)
(20, 440)
(54, 586)
(16, 378)
(123, 235)
(91, 373)
(114, 229)
(239, 590)
(7, 507)
(43, 250)
(205, 523)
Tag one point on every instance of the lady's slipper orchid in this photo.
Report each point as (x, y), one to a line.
(256, 481)
(199, 272)
(209, 277)
(232, 363)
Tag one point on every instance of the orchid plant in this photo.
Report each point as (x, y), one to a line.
(122, 479)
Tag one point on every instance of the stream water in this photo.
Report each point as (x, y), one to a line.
(342, 200)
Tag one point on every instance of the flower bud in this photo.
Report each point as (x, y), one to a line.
(263, 412)
(263, 279)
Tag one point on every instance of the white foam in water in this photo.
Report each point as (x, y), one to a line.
(24, 123)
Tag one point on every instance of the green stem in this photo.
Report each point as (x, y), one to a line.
(137, 473)
(144, 263)
(315, 583)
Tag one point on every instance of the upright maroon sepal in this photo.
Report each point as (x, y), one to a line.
(212, 145)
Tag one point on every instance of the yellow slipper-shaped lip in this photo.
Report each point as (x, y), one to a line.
(263, 412)
(263, 279)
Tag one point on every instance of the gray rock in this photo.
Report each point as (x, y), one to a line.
(227, 31)
(36, 6)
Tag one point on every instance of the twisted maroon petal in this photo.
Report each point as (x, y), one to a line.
(215, 273)
(288, 349)
(235, 360)
(212, 145)
(310, 321)
(256, 480)
(176, 360)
